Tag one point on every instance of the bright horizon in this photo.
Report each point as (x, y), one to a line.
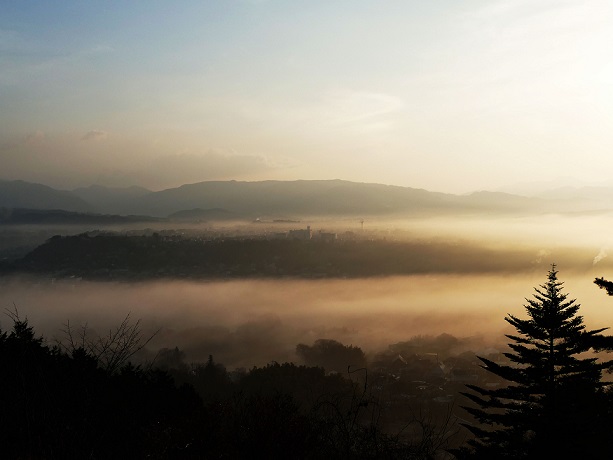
(445, 96)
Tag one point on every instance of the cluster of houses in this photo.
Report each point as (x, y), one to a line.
(426, 376)
(305, 234)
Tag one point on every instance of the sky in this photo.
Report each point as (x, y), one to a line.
(443, 95)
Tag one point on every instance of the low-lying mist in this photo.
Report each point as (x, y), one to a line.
(246, 323)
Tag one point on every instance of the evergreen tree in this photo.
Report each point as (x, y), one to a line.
(554, 404)
(604, 284)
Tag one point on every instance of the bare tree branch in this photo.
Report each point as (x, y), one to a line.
(111, 351)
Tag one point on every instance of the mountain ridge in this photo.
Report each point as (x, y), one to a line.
(292, 199)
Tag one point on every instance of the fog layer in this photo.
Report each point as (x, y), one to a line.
(247, 323)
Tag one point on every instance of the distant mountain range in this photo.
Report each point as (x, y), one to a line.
(110, 200)
(21, 194)
(227, 200)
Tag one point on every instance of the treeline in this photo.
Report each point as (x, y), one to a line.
(22, 216)
(84, 399)
(115, 256)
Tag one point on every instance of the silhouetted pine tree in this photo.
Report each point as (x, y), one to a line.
(555, 404)
(604, 284)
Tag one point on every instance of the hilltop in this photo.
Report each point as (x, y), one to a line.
(290, 200)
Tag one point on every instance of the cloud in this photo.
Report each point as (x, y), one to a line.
(32, 140)
(176, 169)
(325, 113)
(81, 159)
(357, 106)
(541, 254)
(601, 255)
(95, 135)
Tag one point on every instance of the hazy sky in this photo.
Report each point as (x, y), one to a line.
(445, 95)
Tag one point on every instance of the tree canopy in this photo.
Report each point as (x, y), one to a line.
(604, 284)
(554, 403)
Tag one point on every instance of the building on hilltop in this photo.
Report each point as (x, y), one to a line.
(326, 236)
(300, 234)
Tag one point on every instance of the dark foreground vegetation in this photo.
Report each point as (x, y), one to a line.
(112, 256)
(555, 403)
(82, 398)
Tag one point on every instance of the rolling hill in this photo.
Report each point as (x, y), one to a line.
(292, 200)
